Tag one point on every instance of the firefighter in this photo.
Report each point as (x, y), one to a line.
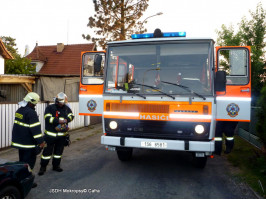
(57, 116)
(26, 134)
(228, 128)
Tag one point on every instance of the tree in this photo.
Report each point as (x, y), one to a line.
(10, 44)
(18, 65)
(116, 20)
(250, 33)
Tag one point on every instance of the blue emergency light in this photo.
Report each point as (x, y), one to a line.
(174, 34)
(151, 35)
(141, 36)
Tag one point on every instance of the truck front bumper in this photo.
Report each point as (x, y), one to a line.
(177, 145)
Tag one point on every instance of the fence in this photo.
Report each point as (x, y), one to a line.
(7, 116)
(248, 130)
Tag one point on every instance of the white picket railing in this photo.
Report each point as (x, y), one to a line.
(7, 116)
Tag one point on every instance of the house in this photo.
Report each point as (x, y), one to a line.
(58, 69)
(4, 54)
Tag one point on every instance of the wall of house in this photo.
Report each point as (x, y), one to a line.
(38, 66)
(2, 65)
(12, 93)
(49, 87)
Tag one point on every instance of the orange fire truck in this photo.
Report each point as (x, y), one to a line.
(165, 91)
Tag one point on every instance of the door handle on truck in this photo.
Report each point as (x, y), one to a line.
(245, 90)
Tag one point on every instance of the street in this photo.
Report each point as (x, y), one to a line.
(92, 172)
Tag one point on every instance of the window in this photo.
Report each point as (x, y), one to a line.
(159, 68)
(235, 64)
(93, 68)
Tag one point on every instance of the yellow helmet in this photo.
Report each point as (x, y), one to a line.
(32, 97)
(61, 98)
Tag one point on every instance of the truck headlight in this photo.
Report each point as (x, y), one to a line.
(199, 129)
(113, 125)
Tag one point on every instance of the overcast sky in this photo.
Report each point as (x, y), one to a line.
(49, 22)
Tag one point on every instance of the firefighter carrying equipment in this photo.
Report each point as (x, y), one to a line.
(26, 132)
(55, 115)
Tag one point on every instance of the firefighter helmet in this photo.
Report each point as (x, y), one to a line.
(32, 97)
(61, 98)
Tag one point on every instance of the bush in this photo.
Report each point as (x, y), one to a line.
(261, 125)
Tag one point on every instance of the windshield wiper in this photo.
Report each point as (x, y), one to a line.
(139, 95)
(186, 88)
(155, 89)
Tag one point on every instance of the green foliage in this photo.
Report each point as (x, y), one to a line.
(261, 124)
(227, 36)
(116, 20)
(10, 44)
(251, 162)
(250, 33)
(18, 65)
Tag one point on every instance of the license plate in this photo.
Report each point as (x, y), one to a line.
(160, 145)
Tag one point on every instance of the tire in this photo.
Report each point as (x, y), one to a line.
(124, 154)
(199, 162)
(10, 192)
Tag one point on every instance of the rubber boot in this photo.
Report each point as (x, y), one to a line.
(57, 168)
(42, 171)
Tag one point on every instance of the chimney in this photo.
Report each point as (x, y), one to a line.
(60, 47)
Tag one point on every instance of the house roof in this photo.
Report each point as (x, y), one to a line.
(66, 62)
(4, 52)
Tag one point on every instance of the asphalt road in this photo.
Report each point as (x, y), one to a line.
(92, 172)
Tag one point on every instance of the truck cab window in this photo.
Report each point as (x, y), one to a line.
(234, 62)
(93, 68)
(145, 69)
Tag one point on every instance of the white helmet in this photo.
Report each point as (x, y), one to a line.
(32, 97)
(61, 98)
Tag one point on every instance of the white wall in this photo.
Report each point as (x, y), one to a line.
(38, 65)
(2, 65)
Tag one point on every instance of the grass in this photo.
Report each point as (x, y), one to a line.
(252, 164)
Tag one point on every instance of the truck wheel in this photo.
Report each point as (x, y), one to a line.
(124, 154)
(199, 162)
(10, 192)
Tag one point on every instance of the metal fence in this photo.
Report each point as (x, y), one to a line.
(7, 116)
(247, 130)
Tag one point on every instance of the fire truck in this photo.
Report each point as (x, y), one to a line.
(165, 91)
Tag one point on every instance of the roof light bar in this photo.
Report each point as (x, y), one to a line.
(151, 35)
(141, 36)
(174, 34)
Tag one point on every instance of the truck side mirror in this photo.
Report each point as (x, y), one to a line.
(97, 63)
(220, 81)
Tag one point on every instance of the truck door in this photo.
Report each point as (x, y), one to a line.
(234, 104)
(91, 83)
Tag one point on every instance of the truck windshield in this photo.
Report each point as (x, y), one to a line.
(159, 69)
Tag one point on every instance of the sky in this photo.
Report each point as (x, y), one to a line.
(48, 22)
